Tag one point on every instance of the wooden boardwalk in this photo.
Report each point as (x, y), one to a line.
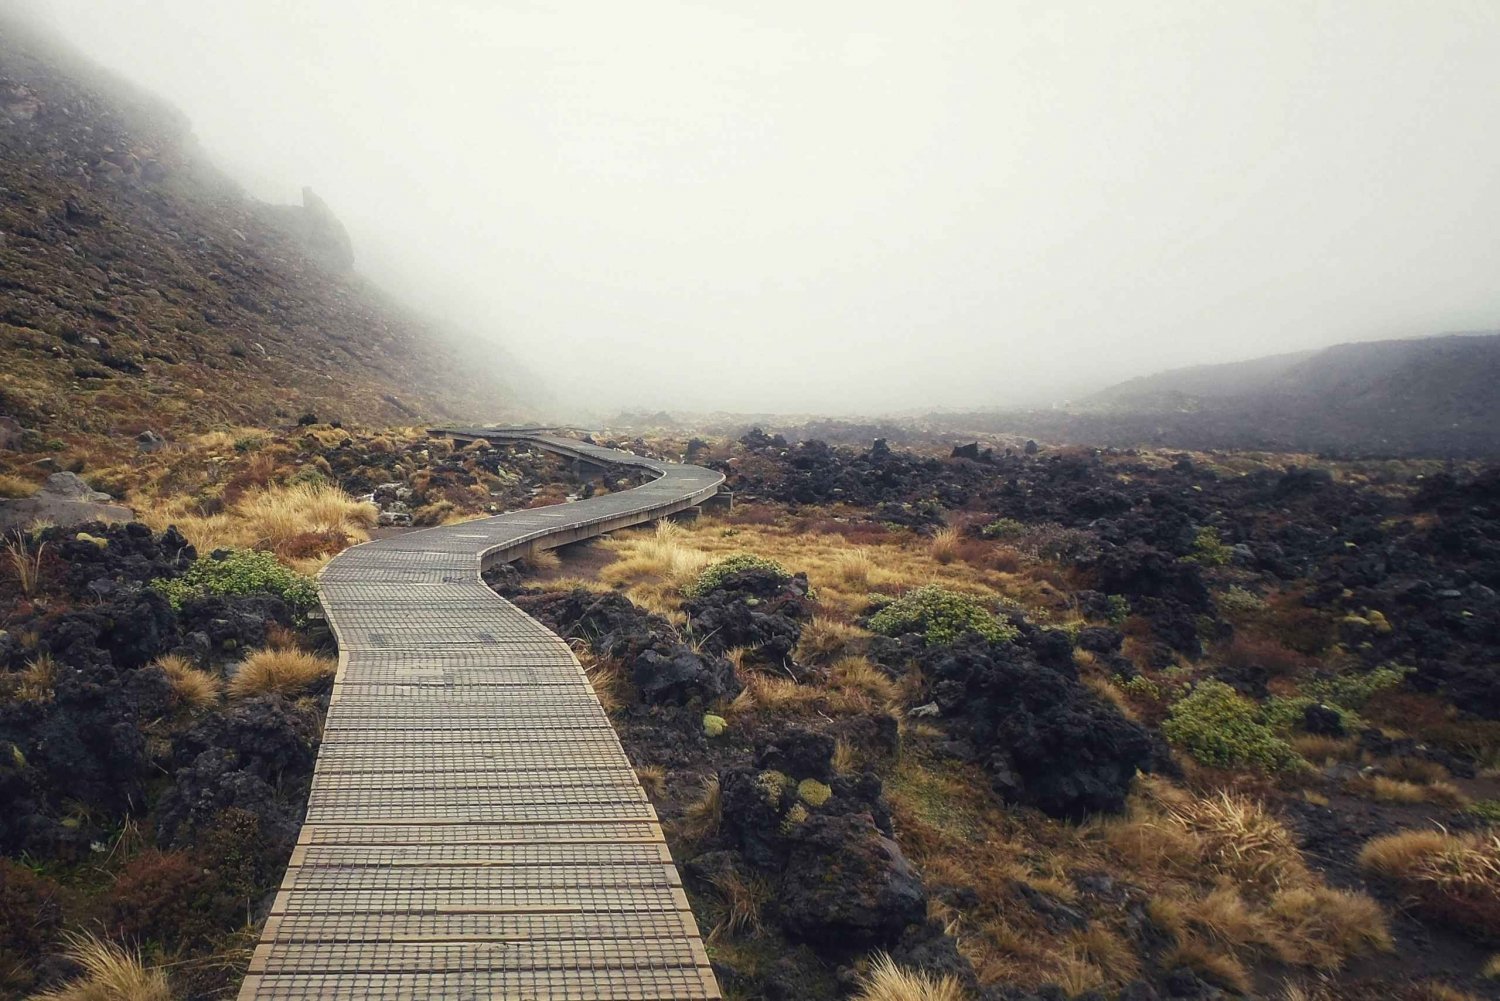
(474, 828)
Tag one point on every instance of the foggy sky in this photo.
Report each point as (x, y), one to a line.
(865, 206)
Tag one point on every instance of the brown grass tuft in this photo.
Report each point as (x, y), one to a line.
(743, 898)
(1389, 790)
(1453, 878)
(825, 640)
(110, 973)
(192, 687)
(886, 981)
(945, 545)
(704, 815)
(286, 671)
(653, 779)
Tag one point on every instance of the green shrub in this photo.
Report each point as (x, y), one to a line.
(1118, 608)
(1221, 728)
(1209, 549)
(722, 570)
(240, 571)
(1354, 690)
(1239, 601)
(1003, 528)
(941, 616)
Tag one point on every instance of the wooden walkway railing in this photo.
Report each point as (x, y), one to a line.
(474, 828)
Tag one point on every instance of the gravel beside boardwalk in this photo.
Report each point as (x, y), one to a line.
(475, 829)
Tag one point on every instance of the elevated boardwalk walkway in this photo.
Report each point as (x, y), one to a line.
(475, 830)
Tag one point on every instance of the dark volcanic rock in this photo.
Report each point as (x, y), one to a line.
(1044, 738)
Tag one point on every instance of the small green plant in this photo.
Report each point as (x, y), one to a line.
(941, 616)
(813, 793)
(714, 726)
(240, 571)
(722, 570)
(1221, 728)
(1208, 549)
(1239, 601)
(1003, 528)
(1487, 810)
(1354, 690)
(1118, 607)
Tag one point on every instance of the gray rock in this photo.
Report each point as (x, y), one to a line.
(150, 441)
(63, 500)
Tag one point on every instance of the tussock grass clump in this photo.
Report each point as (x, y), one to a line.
(12, 487)
(854, 567)
(887, 981)
(824, 640)
(940, 616)
(742, 898)
(110, 973)
(192, 686)
(608, 681)
(25, 561)
(1393, 790)
(286, 671)
(704, 815)
(944, 544)
(34, 683)
(293, 521)
(1453, 878)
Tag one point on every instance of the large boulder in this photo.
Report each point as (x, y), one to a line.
(1045, 739)
(847, 884)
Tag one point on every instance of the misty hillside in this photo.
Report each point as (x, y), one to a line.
(139, 288)
(1432, 396)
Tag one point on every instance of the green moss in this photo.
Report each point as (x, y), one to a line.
(941, 616)
(714, 726)
(1223, 729)
(795, 817)
(240, 571)
(772, 785)
(813, 793)
(721, 570)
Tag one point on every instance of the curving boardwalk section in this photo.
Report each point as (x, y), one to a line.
(475, 830)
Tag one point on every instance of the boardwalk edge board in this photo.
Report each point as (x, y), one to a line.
(474, 827)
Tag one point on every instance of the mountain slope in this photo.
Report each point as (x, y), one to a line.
(140, 288)
(1431, 396)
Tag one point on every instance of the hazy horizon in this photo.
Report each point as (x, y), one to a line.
(863, 208)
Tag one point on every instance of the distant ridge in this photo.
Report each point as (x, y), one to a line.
(1424, 396)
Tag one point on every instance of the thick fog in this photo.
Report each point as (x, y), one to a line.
(864, 206)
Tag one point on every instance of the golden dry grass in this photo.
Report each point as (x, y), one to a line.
(192, 686)
(652, 566)
(606, 678)
(34, 683)
(653, 780)
(944, 545)
(296, 521)
(704, 815)
(887, 981)
(1392, 790)
(13, 486)
(110, 973)
(25, 559)
(1452, 877)
(286, 671)
(540, 561)
(824, 640)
